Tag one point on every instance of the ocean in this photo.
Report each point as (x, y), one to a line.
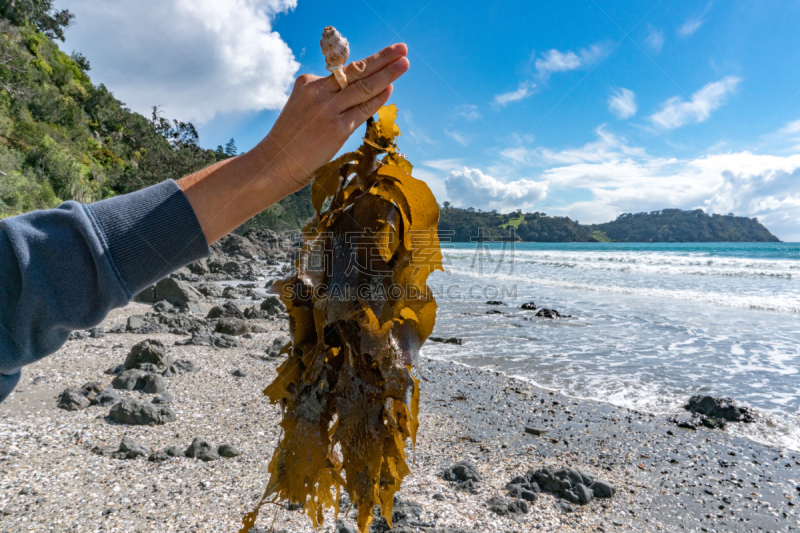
(650, 326)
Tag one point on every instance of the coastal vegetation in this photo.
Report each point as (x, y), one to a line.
(667, 225)
(64, 138)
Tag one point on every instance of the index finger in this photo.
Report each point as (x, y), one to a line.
(358, 70)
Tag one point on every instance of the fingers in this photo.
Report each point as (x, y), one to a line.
(357, 115)
(358, 70)
(371, 86)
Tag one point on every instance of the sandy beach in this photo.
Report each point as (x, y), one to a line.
(666, 478)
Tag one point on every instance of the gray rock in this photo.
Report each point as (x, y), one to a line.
(148, 368)
(529, 306)
(504, 507)
(226, 310)
(176, 292)
(148, 351)
(579, 494)
(273, 306)
(163, 307)
(173, 451)
(343, 527)
(277, 345)
(106, 398)
(115, 370)
(158, 457)
(461, 471)
(228, 450)
(210, 290)
(154, 384)
(448, 340)
(72, 400)
(135, 322)
(164, 397)
(239, 373)
(567, 507)
(603, 489)
(133, 449)
(180, 367)
(231, 293)
(535, 431)
(548, 313)
(519, 492)
(129, 380)
(200, 449)
(724, 408)
(135, 412)
(221, 340)
(232, 326)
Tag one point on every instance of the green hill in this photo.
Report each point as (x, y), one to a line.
(64, 138)
(668, 225)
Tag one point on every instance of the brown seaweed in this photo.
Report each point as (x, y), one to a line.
(359, 310)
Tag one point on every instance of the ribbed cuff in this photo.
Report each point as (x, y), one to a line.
(148, 234)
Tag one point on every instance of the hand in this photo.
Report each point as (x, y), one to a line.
(319, 116)
(314, 125)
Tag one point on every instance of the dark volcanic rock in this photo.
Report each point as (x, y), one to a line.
(239, 373)
(179, 367)
(724, 408)
(461, 471)
(135, 412)
(494, 312)
(129, 380)
(164, 398)
(115, 370)
(158, 457)
(571, 484)
(107, 397)
(232, 326)
(133, 449)
(148, 351)
(494, 302)
(72, 400)
(176, 292)
(449, 340)
(548, 313)
(173, 451)
(504, 507)
(228, 450)
(273, 306)
(200, 449)
(530, 306)
(226, 310)
(153, 384)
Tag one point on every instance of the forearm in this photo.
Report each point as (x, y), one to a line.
(228, 193)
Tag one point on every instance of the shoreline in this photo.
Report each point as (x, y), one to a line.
(677, 482)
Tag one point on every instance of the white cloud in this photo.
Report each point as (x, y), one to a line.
(221, 55)
(471, 187)
(468, 111)
(445, 165)
(690, 26)
(623, 178)
(791, 128)
(458, 137)
(556, 61)
(693, 24)
(525, 90)
(655, 39)
(676, 112)
(622, 103)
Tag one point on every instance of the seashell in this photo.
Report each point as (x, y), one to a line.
(335, 47)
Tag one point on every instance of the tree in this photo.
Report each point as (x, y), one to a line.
(230, 148)
(39, 13)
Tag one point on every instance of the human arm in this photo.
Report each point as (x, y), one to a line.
(64, 269)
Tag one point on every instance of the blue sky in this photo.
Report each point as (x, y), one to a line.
(579, 108)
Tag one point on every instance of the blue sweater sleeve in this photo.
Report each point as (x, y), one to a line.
(64, 269)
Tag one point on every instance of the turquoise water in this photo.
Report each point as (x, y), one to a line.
(651, 324)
